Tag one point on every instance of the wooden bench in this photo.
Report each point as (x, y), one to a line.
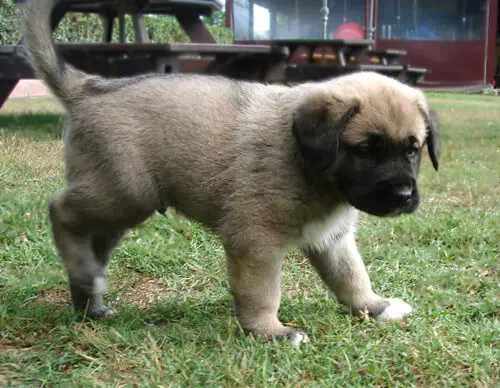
(385, 57)
(342, 51)
(413, 75)
(304, 72)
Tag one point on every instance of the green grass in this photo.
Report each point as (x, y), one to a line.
(175, 326)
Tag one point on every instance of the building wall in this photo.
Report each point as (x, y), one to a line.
(451, 63)
(455, 39)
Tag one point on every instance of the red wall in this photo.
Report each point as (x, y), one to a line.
(492, 37)
(451, 62)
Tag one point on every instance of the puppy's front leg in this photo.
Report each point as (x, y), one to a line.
(342, 269)
(255, 272)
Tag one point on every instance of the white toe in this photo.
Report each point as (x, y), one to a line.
(298, 338)
(109, 314)
(396, 311)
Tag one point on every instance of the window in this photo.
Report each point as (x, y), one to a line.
(296, 19)
(241, 20)
(261, 22)
(432, 19)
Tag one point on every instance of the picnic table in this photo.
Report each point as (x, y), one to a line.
(283, 60)
(258, 62)
(187, 13)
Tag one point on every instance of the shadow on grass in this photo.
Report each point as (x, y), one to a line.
(36, 126)
(193, 314)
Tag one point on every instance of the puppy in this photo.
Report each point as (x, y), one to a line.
(263, 166)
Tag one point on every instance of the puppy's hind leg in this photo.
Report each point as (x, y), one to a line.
(104, 243)
(84, 256)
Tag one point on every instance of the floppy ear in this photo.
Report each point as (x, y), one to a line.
(433, 135)
(317, 125)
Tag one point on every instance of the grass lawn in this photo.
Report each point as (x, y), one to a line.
(175, 326)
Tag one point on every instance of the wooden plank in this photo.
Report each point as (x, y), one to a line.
(171, 7)
(386, 57)
(382, 68)
(322, 42)
(168, 48)
(7, 49)
(299, 73)
(194, 27)
(390, 52)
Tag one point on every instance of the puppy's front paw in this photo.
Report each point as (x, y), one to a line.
(395, 311)
(296, 337)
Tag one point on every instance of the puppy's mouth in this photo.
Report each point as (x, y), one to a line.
(407, 208)
(382, 203)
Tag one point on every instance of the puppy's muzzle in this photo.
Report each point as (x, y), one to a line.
(403, 192)
(400, 194)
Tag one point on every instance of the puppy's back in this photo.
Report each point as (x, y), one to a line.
(181, 130)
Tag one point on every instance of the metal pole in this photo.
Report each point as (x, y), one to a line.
(251, 20)
(324, 18)
(371, 17)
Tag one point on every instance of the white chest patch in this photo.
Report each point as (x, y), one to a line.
(321, 233)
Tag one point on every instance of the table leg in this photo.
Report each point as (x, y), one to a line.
(108, 19)
(6, 87)
(123, 31)
(342, 57)
(141, 34)
(195, 28)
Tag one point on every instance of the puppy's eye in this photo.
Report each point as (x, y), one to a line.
(363, 148)
(412, 152)
(367, 148)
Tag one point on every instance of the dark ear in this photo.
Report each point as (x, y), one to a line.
(317, 126)
(433, 134)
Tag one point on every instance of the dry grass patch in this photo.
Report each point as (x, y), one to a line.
(54, 297)
(142, 291)
(31, 105)
(30, 161)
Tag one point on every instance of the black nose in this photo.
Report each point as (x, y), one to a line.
(398, 190)
(403, 191)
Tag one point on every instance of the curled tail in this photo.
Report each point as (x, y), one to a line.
(65, 81)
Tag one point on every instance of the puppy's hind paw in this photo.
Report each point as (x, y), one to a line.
(395, 311)
(107, 313)
(96, 312)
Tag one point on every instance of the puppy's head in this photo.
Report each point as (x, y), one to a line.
(365, 133)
